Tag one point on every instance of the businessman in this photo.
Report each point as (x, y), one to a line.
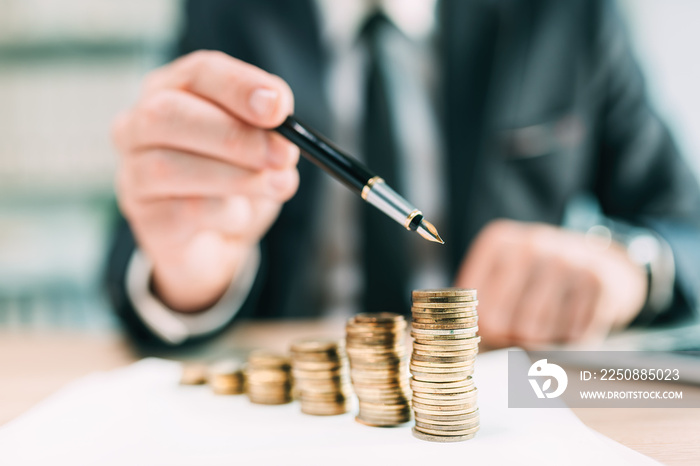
(494, 116)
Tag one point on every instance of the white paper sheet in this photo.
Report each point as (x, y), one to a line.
(140, 415)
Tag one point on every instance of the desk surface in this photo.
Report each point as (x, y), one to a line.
(32, 366)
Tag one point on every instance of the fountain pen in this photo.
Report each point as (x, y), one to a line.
(357, 178)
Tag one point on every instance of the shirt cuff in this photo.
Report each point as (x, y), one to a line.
(176, 327)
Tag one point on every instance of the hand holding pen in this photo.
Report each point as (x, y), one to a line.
(203, 177)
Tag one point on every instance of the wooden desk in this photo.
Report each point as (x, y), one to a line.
(32, 366)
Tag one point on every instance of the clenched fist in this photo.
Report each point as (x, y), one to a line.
(201, 177)
(542, 284)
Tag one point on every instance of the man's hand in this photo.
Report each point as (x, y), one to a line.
(542, 284)
(201, 177)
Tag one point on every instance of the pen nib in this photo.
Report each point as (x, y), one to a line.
(429, 232)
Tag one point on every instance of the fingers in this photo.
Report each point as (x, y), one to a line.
(579, 308)
(508, 282)
(181, 121)
(496, 266)
(162, 173)
(537, 318)
(172, 222)
(257, 97)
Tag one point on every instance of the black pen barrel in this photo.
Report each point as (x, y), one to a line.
(323, 153)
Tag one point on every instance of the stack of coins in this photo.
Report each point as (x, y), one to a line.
(226, 377)
(319, 368)
(193, 374)
(269, 378)
(442, 363)
(375, 345)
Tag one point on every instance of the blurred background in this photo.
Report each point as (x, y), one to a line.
(67, 68)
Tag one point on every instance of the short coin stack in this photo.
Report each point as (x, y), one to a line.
(377, 352)
(269, 378)
(319, 368)
(193, 374)
(445, 346)
(226, 377)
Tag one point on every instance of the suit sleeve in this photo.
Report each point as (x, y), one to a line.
(642, 178)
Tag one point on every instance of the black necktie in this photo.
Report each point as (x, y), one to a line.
(384, 258)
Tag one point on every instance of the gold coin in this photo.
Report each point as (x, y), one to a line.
(377, 354)
(315, 366)
(448, 420)
(316, 345)
(465, 393)
(383, 423)
(386, 418)
(227, 387)
(397, 398)
(267, 376)
(369, 381)
(444, 354)
(448, 377)
(438, 438)
(323, 410)
(441, 341)
(378, 318)
(445, 326)
(434, 411)
(439, 391)
(443, 333)
(375, 330)
(266, 359)
(381, 408)
(336, 377)
(440, 370)
(443, 299)
(193, 374)
(448, 417)
(323, 397)
(402, 411)
(313, 391)
(453, 313)
(471, 430)
(379, 364)
(466, 319)
(444, 306)
(460, 425)
(318, 358)
(226, 377)
(434, 408)
(432, 339)
(423, 365)
(268, 388)
(466, 382)
(444, 292)
(376, 343)
(269, 401)
(463, 400)
(424, 360)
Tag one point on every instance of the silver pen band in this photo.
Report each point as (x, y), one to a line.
(381, 196)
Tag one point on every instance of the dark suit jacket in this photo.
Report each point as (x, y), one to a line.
(507, 65)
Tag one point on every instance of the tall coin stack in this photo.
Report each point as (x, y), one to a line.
(377, 352)
(269, 378)
(319, 368)
(442, 363)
